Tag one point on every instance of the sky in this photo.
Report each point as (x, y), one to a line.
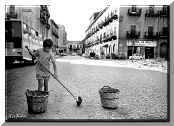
(74, 15)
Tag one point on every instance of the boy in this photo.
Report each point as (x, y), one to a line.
(45, 57)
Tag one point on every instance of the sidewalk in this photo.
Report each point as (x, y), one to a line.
(148, 64)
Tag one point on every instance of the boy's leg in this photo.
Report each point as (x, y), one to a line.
(46, 84)
(40, 84)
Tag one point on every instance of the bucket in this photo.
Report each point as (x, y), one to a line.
(109, 97)
(37, 101)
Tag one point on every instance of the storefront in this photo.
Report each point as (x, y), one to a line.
(145, 49)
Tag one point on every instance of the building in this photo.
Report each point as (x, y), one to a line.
(53, 34)
(62, 38)
(36, 17)
(143, 31)
(44, 18)
(74, 47)
(102, 33)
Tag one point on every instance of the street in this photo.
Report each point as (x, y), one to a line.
(143, 93)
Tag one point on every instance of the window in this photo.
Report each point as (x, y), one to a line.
(164, 8)
(134, 8)
(13, 33)
(151, 9)
(150, 29)
(133, 28)
(36, 33)
(70, 46)
(165, 29)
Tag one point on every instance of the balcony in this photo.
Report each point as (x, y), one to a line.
(133, 34)
(164, 12)
(164, 33)
(11, 15)
(100, 25)
(134, 11)
(108, 20)
(151, 13)
(43, 7)
(109, 37)
(48, 26)
(151, 35)
(114, 17)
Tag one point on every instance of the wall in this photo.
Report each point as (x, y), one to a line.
(142, 23)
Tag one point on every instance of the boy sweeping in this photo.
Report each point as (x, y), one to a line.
(44, 57)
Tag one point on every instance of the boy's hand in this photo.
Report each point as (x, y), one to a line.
(55, 74)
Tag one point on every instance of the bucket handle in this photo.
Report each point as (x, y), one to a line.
(106, 87)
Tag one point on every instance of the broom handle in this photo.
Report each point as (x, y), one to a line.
(57, 80)
(52, 74)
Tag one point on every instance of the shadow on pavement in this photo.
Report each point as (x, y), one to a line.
(17, 65)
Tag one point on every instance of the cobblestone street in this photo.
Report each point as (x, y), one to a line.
(143, 93)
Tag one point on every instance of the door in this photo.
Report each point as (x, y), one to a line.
(163, 50)
(149, 52)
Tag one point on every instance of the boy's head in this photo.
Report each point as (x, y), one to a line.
(47, 44)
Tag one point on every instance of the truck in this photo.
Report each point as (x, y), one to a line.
(18, 35)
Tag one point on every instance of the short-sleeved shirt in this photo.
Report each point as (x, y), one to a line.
(44, 58)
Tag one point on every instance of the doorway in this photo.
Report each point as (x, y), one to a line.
(149, 52)
(163, 50)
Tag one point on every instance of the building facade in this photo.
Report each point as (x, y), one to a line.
(62, 38)
(36, 17)
(53, 34)
(143, 31)
(74, 47)
(102, 33)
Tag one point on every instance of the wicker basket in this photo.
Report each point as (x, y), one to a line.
(37, 101)
(109, 97)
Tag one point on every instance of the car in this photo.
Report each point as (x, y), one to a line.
(63, 54)
(136, 57)
(74, 54)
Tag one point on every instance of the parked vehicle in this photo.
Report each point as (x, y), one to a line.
(74, 54)
(17, 36)
(136, 57)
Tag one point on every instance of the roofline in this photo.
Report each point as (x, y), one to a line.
(99, 15)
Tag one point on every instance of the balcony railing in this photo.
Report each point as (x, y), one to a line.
(133, 34)
(107, 20)
(109, 37)
(11, 15)
(48, 26)
(151, 35)
(134, 12)
(159, 13)
(110, 19)
(164, 12)
(102, 39)
(163, 34)
(151, 13)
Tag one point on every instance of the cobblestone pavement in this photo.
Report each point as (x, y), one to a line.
(143, 92)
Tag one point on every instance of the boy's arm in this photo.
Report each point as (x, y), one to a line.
(54, 65)
(33, 54)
